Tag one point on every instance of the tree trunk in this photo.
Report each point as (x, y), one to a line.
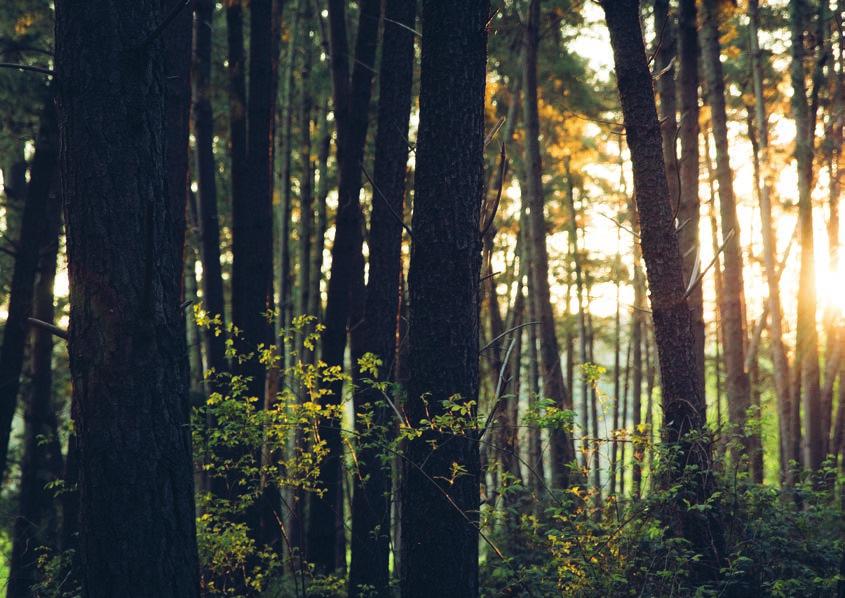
(683, 406)
(315, 307)
(33, 231)
(553, 385)
(36, 524)
(346, 281)
(128, 357)
(780, 362)
(206, 171)
(806, 348)
(688, 209)
(637, 326)
(371, 493)
(440, 520)
(731, 305)
(306, 181)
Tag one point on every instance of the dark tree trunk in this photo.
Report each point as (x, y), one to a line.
(731, 306)
(33, 231)
(806, 345)
(206, 169)
(440, 520)
(315, 307)
(346, 283)
(683, 405)
(780, 361)
(561, 449)
(306, 181)
(128, 357)
(371, 493)
(36, 525)
(688, 210)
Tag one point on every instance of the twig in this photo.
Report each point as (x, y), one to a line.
(60, 332)
(387, 203)
(693, 283)
(174, 12)
(619, 224)
(493, 131)
(402, 25)
(503, 168)
(495, 408)
(27, 67)
(505, 333)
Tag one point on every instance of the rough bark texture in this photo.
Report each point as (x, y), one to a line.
(33, 229)
(207, 217)
(440, 519)
(731, 306)
(128, 357)
(371, 493)
(806, 349)
(554, 387)
(346, 283)
(36, 524)
(683, 406)
(688, 209)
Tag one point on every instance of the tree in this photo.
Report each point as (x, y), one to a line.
(126, 341)
(33, 229)
(208, 219)
(780, 361)
(345, 295)
(731, 307)
(376, 333)
(562, 450)
(806, 346)
(683, 406)
(37, 522)
(688, 211)
(439, 543)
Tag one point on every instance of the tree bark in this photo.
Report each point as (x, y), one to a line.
(731, 306)
(206, 171)
(780, 362)
(346, 282)
(33, 231)
(37, 522)
(683, 406)
(376, 334)
(439, 519)
(806, 347)
(128, 357)
(689, 207)
(554, 388)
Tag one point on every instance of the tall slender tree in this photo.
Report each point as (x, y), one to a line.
(345, 297)
(439, 518)
(731, 306)
(369, 567)
(562, 450)
(683, 406)
(806, 350)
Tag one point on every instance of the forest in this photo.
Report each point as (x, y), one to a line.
(422, 299)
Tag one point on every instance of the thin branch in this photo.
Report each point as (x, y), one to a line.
(693, 283)
(60, 332)
(27, 67)
(505, 333)
(503, 168)
(387, 203)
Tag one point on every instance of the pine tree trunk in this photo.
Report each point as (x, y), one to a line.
(32, 234)
(689, 207)
(346, 280)
(440, 534)
(683, 406)
(552, 375)
(206, 170)
(371, 493)
(731, 305)
(128, 357)
(806, 349)
(37, 521)
(780, 362)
